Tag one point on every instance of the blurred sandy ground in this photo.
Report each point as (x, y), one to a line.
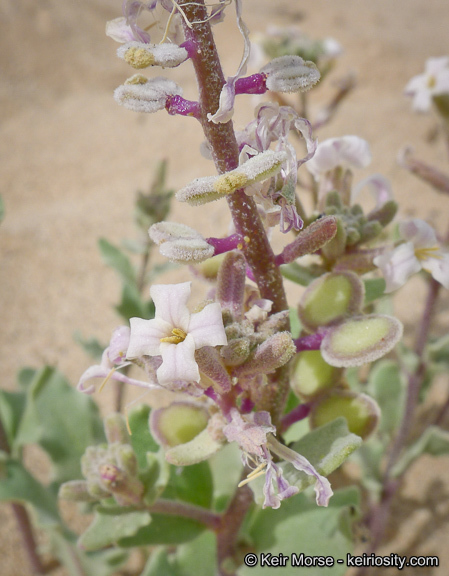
(72, 160)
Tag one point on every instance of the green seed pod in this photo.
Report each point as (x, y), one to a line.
(361, 411)
(178, 423)
(331, 298)
(311, 376)
(361, 340)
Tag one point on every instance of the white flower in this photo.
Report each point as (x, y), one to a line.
(112, 360)
(254, 434)
(346, 151)
(435, 80)
(175, 334)
(420, 251)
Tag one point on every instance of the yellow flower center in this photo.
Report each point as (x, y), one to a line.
(430, 252)
(431, 82)
(178, 336)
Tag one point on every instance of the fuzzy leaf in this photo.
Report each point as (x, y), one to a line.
(91, 345)
(226, 468)
(374, 288)
(299, 526)
(101, 563)
(132, 305)
(110, 525)
(191, 484)
(434, 441)
(116, 259)
(170, 530)
(12, 407)
(297, 274)
(387, 387)
(439, 350)
(61, 420)
(141, 439)
(197, 558)
(158, 563)
(17, 485)
(326, 448)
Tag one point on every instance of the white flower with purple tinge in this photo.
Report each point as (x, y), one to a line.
(175, 334)
(434, 81)
(226, 104)
(273, 124)
(421, 251)
(125, 28)
(253, 433)
(346, 151)
(112, 360)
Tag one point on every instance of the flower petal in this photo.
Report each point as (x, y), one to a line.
(346, 151)
(145, 337)
(323, 488)
(379, 187)
(119, 30)
(207, 328)
(178, 362)
(118, 345)
(103, 371)
(171, 303)
(439, 268)
(227, 96)
(419, 232)
(398, 265)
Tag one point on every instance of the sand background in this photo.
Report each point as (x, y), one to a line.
(71, 161)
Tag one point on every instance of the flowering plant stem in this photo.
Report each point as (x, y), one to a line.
(225, 152)
(256, 248)
(23, 521)
(378, 517)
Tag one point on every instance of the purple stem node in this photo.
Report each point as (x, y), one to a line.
(255, 84)
(299, 413)
(178, 105)
(309, 342)
(227, 244)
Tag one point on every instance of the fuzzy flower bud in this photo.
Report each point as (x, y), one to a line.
(75, 491)
(270, 355)
(128, 491)
(236, 352)
(140, 55)
(290, 74)
(256, 169)
(143, 95)
(210, 364)
(180, 243)
(309, 240)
